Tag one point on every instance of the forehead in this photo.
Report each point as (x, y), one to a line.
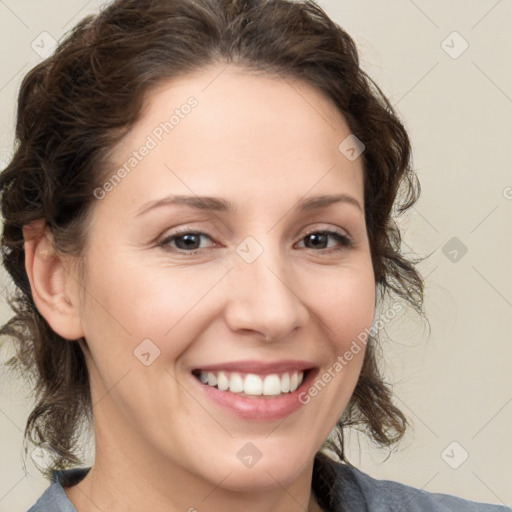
(245, 130)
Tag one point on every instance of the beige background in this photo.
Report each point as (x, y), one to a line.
(455, 386)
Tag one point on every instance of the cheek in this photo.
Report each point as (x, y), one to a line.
(346, 304)
(135, 303)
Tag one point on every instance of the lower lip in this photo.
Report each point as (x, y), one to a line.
(265, 409)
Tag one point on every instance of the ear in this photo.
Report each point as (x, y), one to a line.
(55, 289)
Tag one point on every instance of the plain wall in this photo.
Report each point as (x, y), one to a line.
(455, 386)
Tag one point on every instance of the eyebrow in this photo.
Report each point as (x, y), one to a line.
(201, 203)
(218, 204)
(326, 200)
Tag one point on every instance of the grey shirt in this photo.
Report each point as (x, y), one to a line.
(354, 491)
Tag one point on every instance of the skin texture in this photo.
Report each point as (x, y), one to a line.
(263, 143)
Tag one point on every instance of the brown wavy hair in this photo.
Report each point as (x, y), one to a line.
(77, 104)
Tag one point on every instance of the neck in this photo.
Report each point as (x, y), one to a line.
(138, 479)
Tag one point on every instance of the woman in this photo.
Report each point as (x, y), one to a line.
(198, 221)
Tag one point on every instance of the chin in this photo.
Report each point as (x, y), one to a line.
(268, 472)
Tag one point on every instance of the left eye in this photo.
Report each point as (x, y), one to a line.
(320, 238)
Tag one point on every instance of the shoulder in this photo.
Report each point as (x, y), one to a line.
(54, 498)
(354, 491)
(390, 496)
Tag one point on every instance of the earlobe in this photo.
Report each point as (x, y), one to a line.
(54, 288)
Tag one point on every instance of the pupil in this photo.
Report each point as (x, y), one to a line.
(190, 241)
(318, 238)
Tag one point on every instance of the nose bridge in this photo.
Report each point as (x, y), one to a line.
(264, 297)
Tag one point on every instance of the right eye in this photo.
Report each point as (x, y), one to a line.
(185, 241)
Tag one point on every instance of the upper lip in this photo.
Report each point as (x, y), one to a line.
(259, 367)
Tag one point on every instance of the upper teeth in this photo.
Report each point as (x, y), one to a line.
(253, 384)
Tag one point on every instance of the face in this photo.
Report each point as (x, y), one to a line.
(262, 281)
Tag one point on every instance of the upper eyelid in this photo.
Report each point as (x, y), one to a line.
(188, 230)
(340, 231)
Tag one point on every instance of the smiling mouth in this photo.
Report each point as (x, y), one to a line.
(252, 385)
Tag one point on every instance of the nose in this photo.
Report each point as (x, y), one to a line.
(263, 298)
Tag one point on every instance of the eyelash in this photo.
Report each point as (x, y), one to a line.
(344, 241)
